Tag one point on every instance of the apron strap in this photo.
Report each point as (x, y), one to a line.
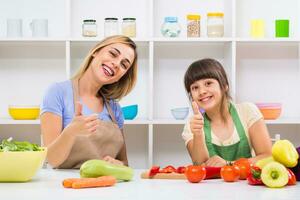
(76, 98)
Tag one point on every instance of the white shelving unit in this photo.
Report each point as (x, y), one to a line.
(260, 70)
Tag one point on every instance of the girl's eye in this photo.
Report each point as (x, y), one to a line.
(208, 83)
(194, 88)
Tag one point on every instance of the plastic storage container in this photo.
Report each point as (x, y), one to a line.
(170, 27)
(193, 25)
(111, 26)
(129, 27)
(89, 28)
(215, 24)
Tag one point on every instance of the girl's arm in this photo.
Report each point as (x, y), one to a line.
(197, 149)
(260, 140)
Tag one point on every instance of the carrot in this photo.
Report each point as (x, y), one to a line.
(102, 181)
(67, 183)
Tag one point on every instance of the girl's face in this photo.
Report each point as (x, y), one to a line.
(111, 62)
(207, 93)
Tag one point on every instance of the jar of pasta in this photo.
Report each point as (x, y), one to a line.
(89, 28)
(215, 24)
(129, 27)
(193, 25)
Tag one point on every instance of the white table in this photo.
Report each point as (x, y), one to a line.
(47, 185)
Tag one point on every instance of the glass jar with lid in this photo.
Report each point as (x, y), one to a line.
(89, 28)
(170, 27)
(129, 27)
(111, 26)
(193, 25)
(215, 24)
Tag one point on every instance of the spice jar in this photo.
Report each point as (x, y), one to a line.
(129, 27)
(193, 25)
(111, 26)
(89, 28)
(215, 24)
(170, 27)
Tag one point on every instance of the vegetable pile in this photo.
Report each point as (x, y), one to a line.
(10, 145)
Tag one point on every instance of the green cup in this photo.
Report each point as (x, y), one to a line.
(282, 27)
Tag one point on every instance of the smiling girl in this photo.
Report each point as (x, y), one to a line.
(80, 118)
(225, 131)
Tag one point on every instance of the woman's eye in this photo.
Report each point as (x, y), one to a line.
(113, 53)
(124, 66)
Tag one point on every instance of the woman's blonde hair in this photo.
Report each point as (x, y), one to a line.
(126, 83)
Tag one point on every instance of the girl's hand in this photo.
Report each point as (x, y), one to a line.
(196, 122)
(215, 161)
(83, 124)
(112, 160)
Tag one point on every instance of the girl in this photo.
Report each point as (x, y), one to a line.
(226, 131)
(80, 118)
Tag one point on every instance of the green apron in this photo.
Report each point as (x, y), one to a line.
(232, 152)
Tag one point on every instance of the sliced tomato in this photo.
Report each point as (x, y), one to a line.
(153, 171)
(168, 169)
(180, 170)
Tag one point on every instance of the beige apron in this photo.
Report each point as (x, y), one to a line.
(106, 141)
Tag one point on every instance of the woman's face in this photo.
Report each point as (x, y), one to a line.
(207, 93)
(111, 62)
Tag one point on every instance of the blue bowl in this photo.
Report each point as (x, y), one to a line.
(180, 113)
(130, 112)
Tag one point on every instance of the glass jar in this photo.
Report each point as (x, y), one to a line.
(111, 26)
(170, 27)
(215, 24)
(193, 25)
(129, 27)
(89, 28)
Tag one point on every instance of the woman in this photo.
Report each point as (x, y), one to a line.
(227, 131)
(80, 118)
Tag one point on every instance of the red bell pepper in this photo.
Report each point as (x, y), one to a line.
(180, 170)
(254, 177)
(153, 171)
(168, 169)
(292, 178)
(212, 172)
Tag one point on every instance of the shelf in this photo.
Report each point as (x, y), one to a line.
(7, 121)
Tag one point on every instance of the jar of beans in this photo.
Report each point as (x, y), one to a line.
(193, 25)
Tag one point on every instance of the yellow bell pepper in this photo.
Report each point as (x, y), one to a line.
(284, 152)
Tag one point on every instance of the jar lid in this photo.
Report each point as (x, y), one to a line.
(215, 14)
(193, 17)
(170, 19)
(89, 20)
(129, 18)
(111, 18)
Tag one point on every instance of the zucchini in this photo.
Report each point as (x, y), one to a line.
(96, 168)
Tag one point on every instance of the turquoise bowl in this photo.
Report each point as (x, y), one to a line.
(130, 112)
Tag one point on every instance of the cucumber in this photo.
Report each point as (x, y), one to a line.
(96, 168)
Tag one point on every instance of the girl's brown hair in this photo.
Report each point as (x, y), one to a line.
(122, 87)
(208, 68)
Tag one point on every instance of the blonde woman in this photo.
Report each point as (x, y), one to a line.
(80, 118)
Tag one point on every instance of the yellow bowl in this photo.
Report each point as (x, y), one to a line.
(20, 166)
(24, 112)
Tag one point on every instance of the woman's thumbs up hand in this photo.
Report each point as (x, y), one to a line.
(196, 122)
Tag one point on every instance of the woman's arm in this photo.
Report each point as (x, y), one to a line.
(58, 142)
(260, 140)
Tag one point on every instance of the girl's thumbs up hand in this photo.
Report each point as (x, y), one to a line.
(196, 122)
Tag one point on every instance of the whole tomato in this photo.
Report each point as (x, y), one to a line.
(245, 167)
(230, 173)
(195, 174)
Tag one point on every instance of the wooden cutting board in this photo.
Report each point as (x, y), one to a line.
(145, 175)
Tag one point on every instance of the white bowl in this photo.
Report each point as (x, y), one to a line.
(180, 113)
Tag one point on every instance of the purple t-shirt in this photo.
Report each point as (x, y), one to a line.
(58, 99)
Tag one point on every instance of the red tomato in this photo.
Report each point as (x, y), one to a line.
(245, 167)
(180, 170)
(195, 174)
(230, 173)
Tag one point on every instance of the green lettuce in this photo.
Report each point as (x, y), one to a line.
(10, 145)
